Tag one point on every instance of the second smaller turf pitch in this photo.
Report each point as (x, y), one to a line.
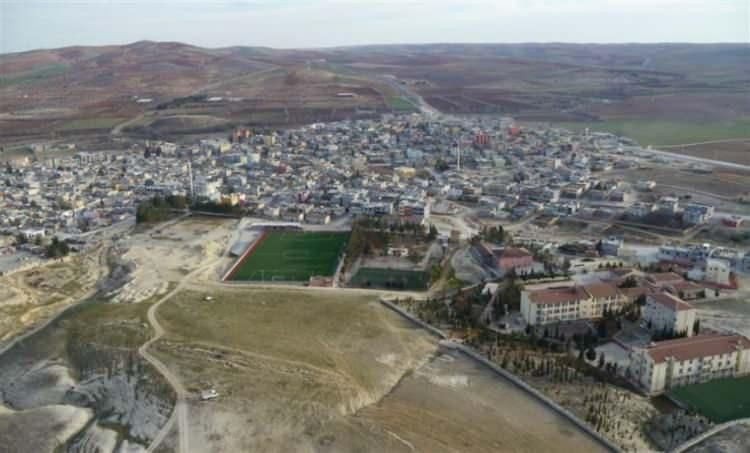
(292, 256)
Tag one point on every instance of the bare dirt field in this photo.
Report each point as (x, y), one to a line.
(30, 297)
(725, 183)
(305, 371)
(728, 314)
(453, 403)
(169, 252)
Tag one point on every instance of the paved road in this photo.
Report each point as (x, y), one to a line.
(717, 163)
(710, 142)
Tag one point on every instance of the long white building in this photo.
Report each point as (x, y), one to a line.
(684, 361)
(545, 305)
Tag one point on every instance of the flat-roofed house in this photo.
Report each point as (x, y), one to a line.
(684, 361)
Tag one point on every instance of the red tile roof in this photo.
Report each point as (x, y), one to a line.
(682, 349)
(512, 252)
(557, 295)
(636, 292)
(664, 277)
(602, 290)
(682, 286)
(672, 302)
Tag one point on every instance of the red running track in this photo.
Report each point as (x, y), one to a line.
(244, 257)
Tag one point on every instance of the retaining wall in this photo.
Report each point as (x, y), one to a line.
(701, 437)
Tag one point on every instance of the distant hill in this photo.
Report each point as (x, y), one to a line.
(173, 88)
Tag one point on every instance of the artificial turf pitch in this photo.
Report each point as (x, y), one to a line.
(720, 400)
(292, 256)
(390, 278)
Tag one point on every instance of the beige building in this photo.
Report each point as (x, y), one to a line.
(685, 361)
(663, 311)
(545, 305)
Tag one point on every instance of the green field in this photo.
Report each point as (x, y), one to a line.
(373, 277)
(293, 256)
(660, 132)
(721, 400)
(38, 73)
(399, 103)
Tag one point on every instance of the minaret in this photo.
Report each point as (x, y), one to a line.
(190, 175)
(458, 156)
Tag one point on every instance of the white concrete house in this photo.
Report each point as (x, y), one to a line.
(717, 271)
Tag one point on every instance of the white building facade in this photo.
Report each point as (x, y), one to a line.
(684, 361)
(663, 311)
(569, 303)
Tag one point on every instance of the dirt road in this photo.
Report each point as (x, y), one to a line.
(180, 413)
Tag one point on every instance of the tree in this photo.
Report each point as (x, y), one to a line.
(57, 248)
(590, 354)
(629, 282)
(566, 265)
(697, 327)
(433, 233)
(601, 328)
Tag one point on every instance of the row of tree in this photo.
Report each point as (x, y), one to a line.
(159, 209)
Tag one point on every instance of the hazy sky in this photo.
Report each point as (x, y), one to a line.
(31, 24)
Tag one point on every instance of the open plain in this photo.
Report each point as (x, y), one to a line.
(323, 371)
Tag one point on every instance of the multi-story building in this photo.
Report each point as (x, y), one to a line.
(664, 311)
(570, 302)
(684, 361)
(695, 214)
(668, 205)
(611, 246)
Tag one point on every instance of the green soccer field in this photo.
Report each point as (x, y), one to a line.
(721, 400)
(293, 257)
(371, 277)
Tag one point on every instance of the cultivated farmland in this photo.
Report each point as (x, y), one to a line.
(292, 256)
